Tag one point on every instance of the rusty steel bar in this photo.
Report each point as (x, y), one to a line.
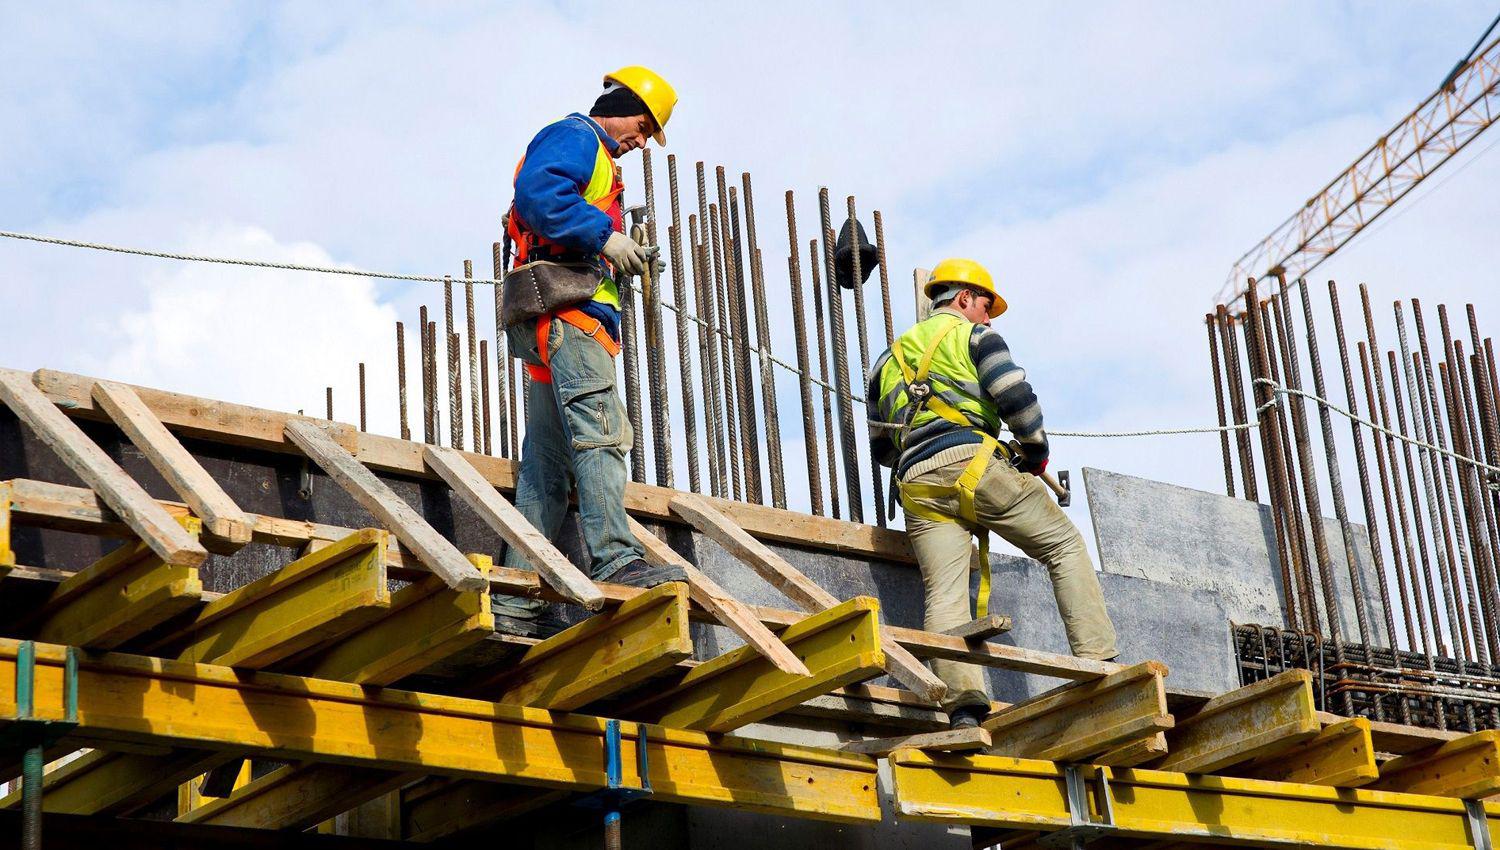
(656, 368)
(726, 356)
(877, 487)
(709, 290)
(1450, 375)
(1335, 475)
(775, 467)
(422, 345)
(455, 388)
(630, 361)
(1463, 520)
(830, 444)
(1213, 359)
(456, 384)
(885, 281)
(734, 276)
(1424, 459)
(804, 363)
(708, 356)
(1480, 411)
(329, 403)
(363, 421)
(1418, 530)
(484, 407)
(1432, 428)
(1362, 467)
(684, 347)
(437, 406)
(1387, 488)
(475, 423)
(502, 362)
(1230, 345)
(1270, 438)
(1295, 525)
(1486, 541)
(401, 380)
(840, 365)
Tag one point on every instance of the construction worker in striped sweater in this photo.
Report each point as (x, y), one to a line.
(936, 400)
(567, 209)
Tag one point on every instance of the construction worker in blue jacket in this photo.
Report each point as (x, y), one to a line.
(936, 400)
(567, 208)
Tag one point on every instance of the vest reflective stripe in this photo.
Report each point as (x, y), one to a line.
(601, 192)
(951, 373)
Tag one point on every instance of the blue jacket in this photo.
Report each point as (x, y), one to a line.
(549, 194)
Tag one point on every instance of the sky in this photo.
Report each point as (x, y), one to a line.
(1107, 162)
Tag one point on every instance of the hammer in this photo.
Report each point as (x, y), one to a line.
(1061, 486)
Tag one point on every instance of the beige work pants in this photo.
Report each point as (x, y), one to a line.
(1019, 508)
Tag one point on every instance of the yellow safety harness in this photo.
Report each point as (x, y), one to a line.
(919, 394)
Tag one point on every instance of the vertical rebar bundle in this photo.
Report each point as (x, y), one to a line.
(401, 380)
(502, 358)
(684, 350)
(804, 362)
(844, 400)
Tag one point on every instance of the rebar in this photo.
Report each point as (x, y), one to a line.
(422, 345)
(656, 376)
(804, 363)
(363, 422)
(708, 356)
(684, 348)
(1213, 359)
(1463, 579)
(734, 276)
(502, 358)
(830, 445)
(484, 383)
(401, 380)
(432, 367)
(726, 358)
(1230, 345)
(774, 465)
(455, 387)
(840, 365)
(1450, 374)
(885, 282)
(877, 487)
(1291, 498)
(329, 406)
(1425, 574)
(630, 361)
(476, 426)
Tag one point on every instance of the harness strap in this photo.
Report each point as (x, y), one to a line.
(591, 327)
(963, 488)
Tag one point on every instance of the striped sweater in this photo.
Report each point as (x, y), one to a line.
(1001, 381)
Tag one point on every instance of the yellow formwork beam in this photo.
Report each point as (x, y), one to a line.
(840, 645)
(425, 623)
(1012, 793)
(1468, 767)
(7, 555)
(1252, 722)
(315, 598)
(104, 782)
(295, 797)
(1342, 755)
(134, 700)
(1084, 719)
(118, 597)
(606, 654)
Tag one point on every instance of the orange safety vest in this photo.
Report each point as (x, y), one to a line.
(602, 192)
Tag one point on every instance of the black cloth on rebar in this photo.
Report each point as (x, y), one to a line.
(843, 256)
(619, 102)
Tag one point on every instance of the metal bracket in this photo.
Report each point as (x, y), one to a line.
(305, 482)
(1084, 827)
(615, 793)
(1479, 825)
(27, 730)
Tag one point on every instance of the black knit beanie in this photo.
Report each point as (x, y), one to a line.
(618, 102)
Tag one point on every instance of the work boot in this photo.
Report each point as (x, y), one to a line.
(540, 624)
(967, 716)
(639, 573)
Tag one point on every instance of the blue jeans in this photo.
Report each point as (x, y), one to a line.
(576, 433)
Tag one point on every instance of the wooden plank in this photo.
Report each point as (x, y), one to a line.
(443, 808)
(1341, 756)
(948, 741)
(281, 798)
(799, 588)
(121, 596)
(1468, 767)
(1084, 719)
(508, 522)
(840, 646)
(221, 517)
(426, 623)
(129, 699)
(1399, 739)
(1136, 752)
(104, 782)
(718, 602)
(47, 505)
(118, 490)
(1257, 720)
(410, 528)
(982, 628)
(606, 654)
(242, 425)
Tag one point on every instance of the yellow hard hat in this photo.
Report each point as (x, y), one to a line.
(968, 273)
(649, 86)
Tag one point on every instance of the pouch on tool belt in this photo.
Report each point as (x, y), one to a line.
(543, 286)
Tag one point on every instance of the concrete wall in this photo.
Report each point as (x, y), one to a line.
(1206, 541)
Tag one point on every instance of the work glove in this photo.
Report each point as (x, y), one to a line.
(625, 254)
(1032, 468)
